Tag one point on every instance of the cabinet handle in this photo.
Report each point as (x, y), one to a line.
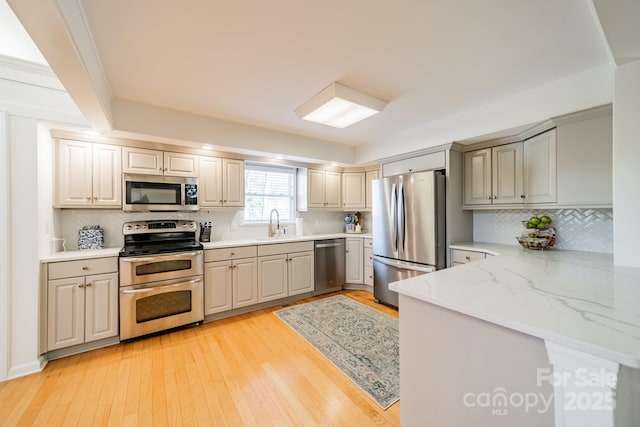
(159, 169)
(220, 201)
(370, 257)
(85, 268)
(88, 197)
(468, 258)
(88, 285)
(95, 197)
(522, 196)
(224, 201)
(81, 286)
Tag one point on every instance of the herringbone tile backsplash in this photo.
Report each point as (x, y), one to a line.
(588, 230)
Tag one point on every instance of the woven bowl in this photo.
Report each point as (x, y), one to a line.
(536, 243)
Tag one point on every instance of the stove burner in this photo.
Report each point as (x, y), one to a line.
(144, 238)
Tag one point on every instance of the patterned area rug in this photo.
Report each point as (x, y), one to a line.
(360, 341)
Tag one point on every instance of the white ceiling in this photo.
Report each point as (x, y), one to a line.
(253, 63)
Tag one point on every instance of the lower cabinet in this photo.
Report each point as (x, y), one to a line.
(230, 284)
(460, 256)
(285, 274)
(81, 309)
(354, 252)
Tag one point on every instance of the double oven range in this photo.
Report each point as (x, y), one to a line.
(161, 277)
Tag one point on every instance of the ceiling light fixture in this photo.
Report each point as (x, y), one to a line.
(339, 106)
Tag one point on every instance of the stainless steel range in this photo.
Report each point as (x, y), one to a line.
(161, 277)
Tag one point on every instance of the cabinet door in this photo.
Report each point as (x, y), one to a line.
(101, 307)
(477, 177)
(210, 182)
(506, 164)
(354, 260)
(301, 272)
(272, 277)
(245, 282)
(141, 160)
(353, 190)
(65, 312)
(233, 182)
(540, 168)
(315, 188)
(107, 176)
(369, 177)
(73, 174)
(332, 184)
(217, 287)
(180, 164)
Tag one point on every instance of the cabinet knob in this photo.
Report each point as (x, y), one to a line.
(468, 258)
(232, 254)
(522, 196)
(159, 169)
(166, 169)
(81, 286)
(88, 197)
(220, 201)
(85, 268)
(95, 197)
(224, 201)
(88, 285)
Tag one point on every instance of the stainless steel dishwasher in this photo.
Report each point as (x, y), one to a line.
(329, 268)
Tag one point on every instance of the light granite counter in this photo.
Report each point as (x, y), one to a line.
(84, 254)
(576, 299)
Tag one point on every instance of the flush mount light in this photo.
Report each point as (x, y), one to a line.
(339, 106)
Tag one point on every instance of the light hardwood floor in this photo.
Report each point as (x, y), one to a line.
(250, 369)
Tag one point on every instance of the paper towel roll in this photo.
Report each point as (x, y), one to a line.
(299, 227)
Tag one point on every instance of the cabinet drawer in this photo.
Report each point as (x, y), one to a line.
(285, 248)
(368, 243)
(85, 267)
(224, 254)
(368, 257)
(461, 257)
(368, 276)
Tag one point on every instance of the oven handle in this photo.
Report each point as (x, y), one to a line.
(157, 257)
(155, 288)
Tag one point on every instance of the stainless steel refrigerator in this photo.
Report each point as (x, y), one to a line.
(408, 229)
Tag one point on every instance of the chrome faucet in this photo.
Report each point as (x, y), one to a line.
(274, 231)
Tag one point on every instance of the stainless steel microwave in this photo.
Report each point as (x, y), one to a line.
(151, 193)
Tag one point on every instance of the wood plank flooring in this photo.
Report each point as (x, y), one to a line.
(247, 370)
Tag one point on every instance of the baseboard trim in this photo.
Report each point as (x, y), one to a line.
(26, 369)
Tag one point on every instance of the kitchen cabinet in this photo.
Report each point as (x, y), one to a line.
(515, 174)
(460, 256)
(369, 177)
(221, 182)
(353, 190)
(354, 253)
(230, 278)
(494, 175)
(155, 162)
(318, 189)
(368, 261)
(87, 175)
(81, 307)
(285, 269)
(540, 168)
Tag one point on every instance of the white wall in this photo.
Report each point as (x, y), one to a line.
(28, 102)
(626, 164)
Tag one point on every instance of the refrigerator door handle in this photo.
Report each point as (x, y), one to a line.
(402, 218)
(394, 219)
(404, 265)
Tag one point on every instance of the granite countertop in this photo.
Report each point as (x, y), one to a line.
(109, 252)
(576, 299)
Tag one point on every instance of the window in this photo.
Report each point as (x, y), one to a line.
(268, 187)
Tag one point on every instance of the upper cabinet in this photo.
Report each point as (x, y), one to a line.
(154, 162)
(569, 166)
(221, 182)
(318, 189)
(353, 190)
(87, 175)
(494, 175)
(369, 177)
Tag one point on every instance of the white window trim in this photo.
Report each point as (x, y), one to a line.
(271, 167)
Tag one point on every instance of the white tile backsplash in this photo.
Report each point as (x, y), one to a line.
(227, 224)
(588, 230)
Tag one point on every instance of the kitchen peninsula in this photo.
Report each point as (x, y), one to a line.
(494, 341)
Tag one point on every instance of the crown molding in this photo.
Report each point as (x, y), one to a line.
(28, 72)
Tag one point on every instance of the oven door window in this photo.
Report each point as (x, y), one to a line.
(158, 267)
(153, 193)
(162, 305)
